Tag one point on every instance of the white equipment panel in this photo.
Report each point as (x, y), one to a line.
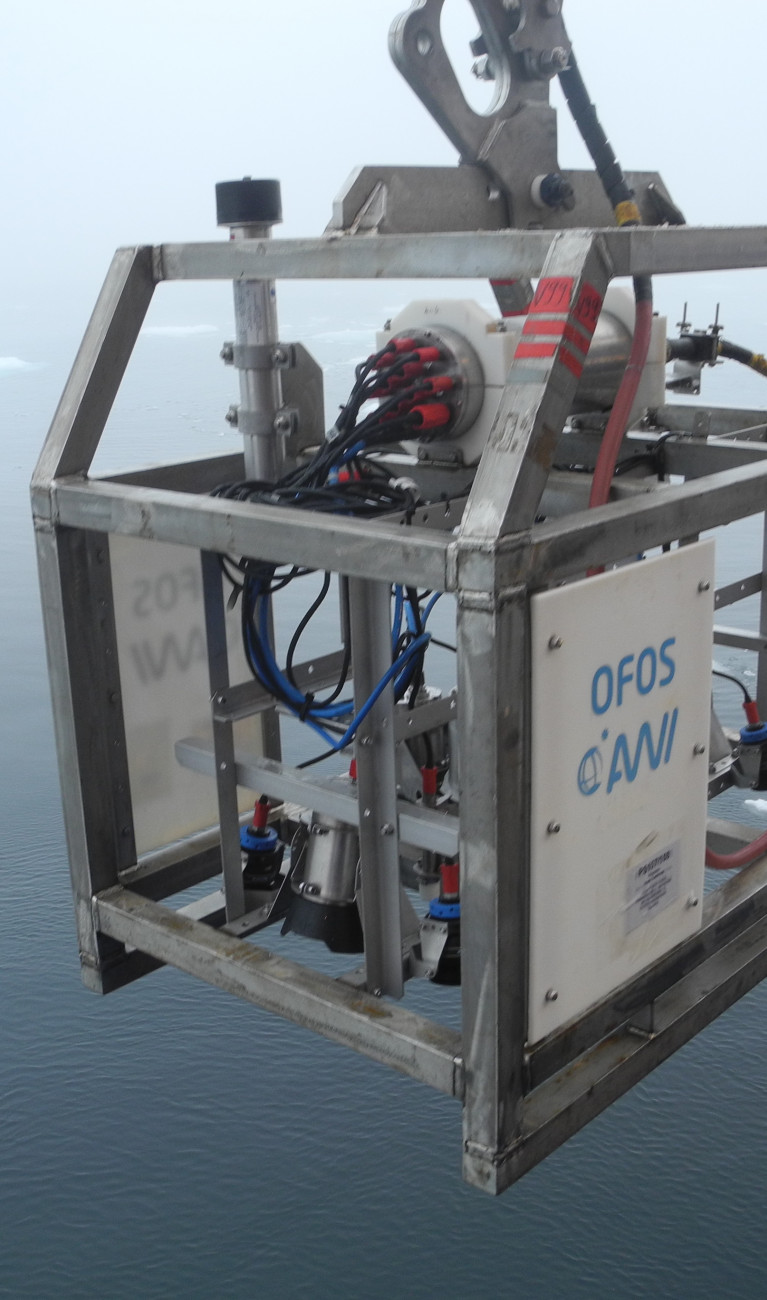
(620, 729)
(160, 624)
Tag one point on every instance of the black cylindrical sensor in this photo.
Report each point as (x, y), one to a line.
(248, 203)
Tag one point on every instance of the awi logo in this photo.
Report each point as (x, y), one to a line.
(625, 765)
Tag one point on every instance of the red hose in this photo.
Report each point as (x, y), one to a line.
(619, 416)
(728, 861)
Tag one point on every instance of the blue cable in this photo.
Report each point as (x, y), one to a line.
(262, 659)
(430, 607)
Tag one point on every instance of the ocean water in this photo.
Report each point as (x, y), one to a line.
(171, 1141)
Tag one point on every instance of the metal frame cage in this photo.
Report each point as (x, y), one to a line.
(520, 1100)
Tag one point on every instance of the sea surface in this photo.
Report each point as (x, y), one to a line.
(170, 1141)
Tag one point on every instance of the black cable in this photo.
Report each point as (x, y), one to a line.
(586, 119)
(754, 360)
(302, 626)
(716, 672)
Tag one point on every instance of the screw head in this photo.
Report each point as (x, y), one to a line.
(227, 353)
(282, 423)
(699, 750)
(232, 416)
(703, 587)
(551, 995)
(387, 829)
(555, 643)
(553, 828)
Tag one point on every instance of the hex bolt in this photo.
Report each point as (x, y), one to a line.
(387, 829)
(227, 353)
(551, 995)
(553, 828)
(555, 643)
(282, 423)
(233, 415)
(483, 69)
(699, 750)
(279, 356)
(548, 63)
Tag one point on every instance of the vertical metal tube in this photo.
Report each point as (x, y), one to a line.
(255, 319)
(370, 611)
(250, 208)
(223, 738)
(81, 642)
(493, 677)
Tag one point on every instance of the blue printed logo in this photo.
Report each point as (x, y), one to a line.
(651, 747)
(590, 772)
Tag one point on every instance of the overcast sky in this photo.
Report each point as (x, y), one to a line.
(119, 119)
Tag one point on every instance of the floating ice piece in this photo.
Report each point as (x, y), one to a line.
(12, 365)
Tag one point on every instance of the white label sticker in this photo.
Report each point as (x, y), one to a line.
(652, 886)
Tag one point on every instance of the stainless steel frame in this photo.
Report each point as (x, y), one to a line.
(518, 1104)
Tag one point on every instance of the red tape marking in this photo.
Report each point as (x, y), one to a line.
(580, 341)
(559, 329)
(536, 350)
(539, 327)
(573, 364)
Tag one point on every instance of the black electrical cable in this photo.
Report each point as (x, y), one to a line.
(302, 626)
(754, 360)
(716, 672)
(586, 119)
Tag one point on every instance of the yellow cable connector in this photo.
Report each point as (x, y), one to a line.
(759, 363)
(628, 214)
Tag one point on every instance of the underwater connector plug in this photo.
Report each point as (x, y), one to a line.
(441, 930)
(262, 851)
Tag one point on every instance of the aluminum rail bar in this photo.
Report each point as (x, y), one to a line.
(342, 257)
(425, 828)
(566, 547)
(380, 1030)
(475, 255)
(99, 366)
(360, 548)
